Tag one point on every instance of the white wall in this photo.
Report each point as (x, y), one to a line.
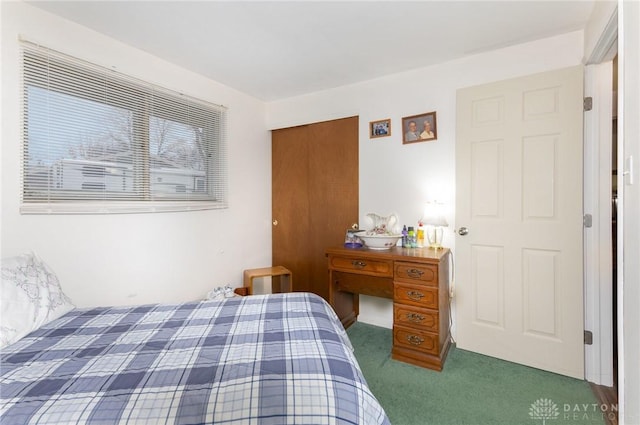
(138, 258)
(401, 178)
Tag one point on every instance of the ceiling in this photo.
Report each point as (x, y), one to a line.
(274, 50)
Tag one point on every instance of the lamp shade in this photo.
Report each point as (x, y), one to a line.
(433, 215)
(436, 221)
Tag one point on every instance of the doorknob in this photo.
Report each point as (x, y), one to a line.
(354, 226)
(463, 231)
(275, 222)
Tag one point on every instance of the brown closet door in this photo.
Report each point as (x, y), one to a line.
(314, 197)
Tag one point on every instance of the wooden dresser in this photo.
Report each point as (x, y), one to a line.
(416, 279)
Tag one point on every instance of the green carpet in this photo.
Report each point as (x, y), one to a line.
(471, 390)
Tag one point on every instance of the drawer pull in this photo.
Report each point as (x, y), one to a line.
(415, 273)
(414, 339)
(415, 295)
(359, 264)
(415, 317)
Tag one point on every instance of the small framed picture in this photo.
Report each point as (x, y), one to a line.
(380, 128)
(419, 128)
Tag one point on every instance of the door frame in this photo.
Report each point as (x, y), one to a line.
(598, 279)
(598, 298)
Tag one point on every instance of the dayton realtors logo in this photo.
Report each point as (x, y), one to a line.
(543, 409)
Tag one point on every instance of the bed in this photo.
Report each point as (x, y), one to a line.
(265, 359)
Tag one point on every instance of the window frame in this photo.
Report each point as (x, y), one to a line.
(174, 106)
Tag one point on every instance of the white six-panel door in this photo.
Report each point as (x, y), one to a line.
(519, 287)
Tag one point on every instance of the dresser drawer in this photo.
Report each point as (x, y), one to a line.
(417, 295)
(415, 340)
(362, 265)
(416, 318)
(425, 274)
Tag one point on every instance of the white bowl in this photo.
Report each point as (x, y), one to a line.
(379, 241)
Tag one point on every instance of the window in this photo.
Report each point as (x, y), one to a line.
(97, 141)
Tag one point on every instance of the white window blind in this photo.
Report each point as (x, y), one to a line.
(98, 141)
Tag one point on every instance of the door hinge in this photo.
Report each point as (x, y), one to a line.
(587, 220)
(588, 338)
(587, 103)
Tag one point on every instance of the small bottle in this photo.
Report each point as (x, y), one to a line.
(405, 233)
(411, 237)
(420, 235)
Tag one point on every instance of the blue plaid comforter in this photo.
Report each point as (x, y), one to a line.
(275, 359)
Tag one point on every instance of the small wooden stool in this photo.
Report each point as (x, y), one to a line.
(280, 278)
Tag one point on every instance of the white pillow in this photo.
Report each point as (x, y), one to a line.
(30, 296)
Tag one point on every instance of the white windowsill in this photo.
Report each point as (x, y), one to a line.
(118, 207)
